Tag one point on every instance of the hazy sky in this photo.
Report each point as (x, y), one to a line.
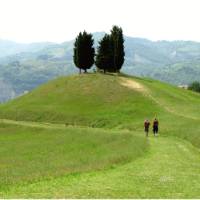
(61, 20)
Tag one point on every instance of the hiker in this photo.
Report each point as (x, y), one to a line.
(146, 126)
(155, 126)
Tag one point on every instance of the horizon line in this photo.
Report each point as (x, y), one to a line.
(70, 40)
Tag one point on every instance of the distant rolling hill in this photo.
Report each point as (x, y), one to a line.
(8, 48)
(24, 67)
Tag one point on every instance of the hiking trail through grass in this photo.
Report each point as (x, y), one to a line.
(171, 169)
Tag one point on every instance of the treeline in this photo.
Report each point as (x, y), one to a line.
(110, 51)
(195, 86)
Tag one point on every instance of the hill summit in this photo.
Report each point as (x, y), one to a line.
(89, 99)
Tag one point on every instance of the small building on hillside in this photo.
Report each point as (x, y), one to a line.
(183, 86)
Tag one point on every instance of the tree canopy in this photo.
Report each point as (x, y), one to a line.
(195, 86)
(110, 51)
(117, 48)
(84, 51)
(104, 54)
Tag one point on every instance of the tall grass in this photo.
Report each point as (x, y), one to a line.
(30, 154)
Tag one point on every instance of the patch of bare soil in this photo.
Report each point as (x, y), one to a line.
(132, 84)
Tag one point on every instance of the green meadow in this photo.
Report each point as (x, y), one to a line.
(82, 137)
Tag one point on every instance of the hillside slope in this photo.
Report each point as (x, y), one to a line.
(108, 101)
(88, 99)
(82, 137)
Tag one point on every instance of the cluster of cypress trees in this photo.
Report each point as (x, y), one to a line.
(84, 51)
(110, 51)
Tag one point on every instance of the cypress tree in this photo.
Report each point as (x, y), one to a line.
(104, 54)
(77, 51)
(117, 43)
(84, 51)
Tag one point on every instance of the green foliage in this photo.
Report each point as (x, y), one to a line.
(104, 54)
(195, 86)
(110, 53)
(84, 51)
(118, 53)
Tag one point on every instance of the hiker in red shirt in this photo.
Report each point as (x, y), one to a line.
(146, 126)
(155, 126)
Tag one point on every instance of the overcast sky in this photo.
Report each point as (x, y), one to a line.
(61, 20)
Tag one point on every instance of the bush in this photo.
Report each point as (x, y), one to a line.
(195, 86)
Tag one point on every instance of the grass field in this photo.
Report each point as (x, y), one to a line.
(171, 169)
(27, 153)
(82, 137)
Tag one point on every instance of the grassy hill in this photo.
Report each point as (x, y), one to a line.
(90, 100)
(27, 66)
(82, 136)
(107, 101)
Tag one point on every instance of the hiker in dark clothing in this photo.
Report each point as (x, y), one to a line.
(155, 126)
(146, 126)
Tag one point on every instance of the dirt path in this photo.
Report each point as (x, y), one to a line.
(33, 124)
(132, 84)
